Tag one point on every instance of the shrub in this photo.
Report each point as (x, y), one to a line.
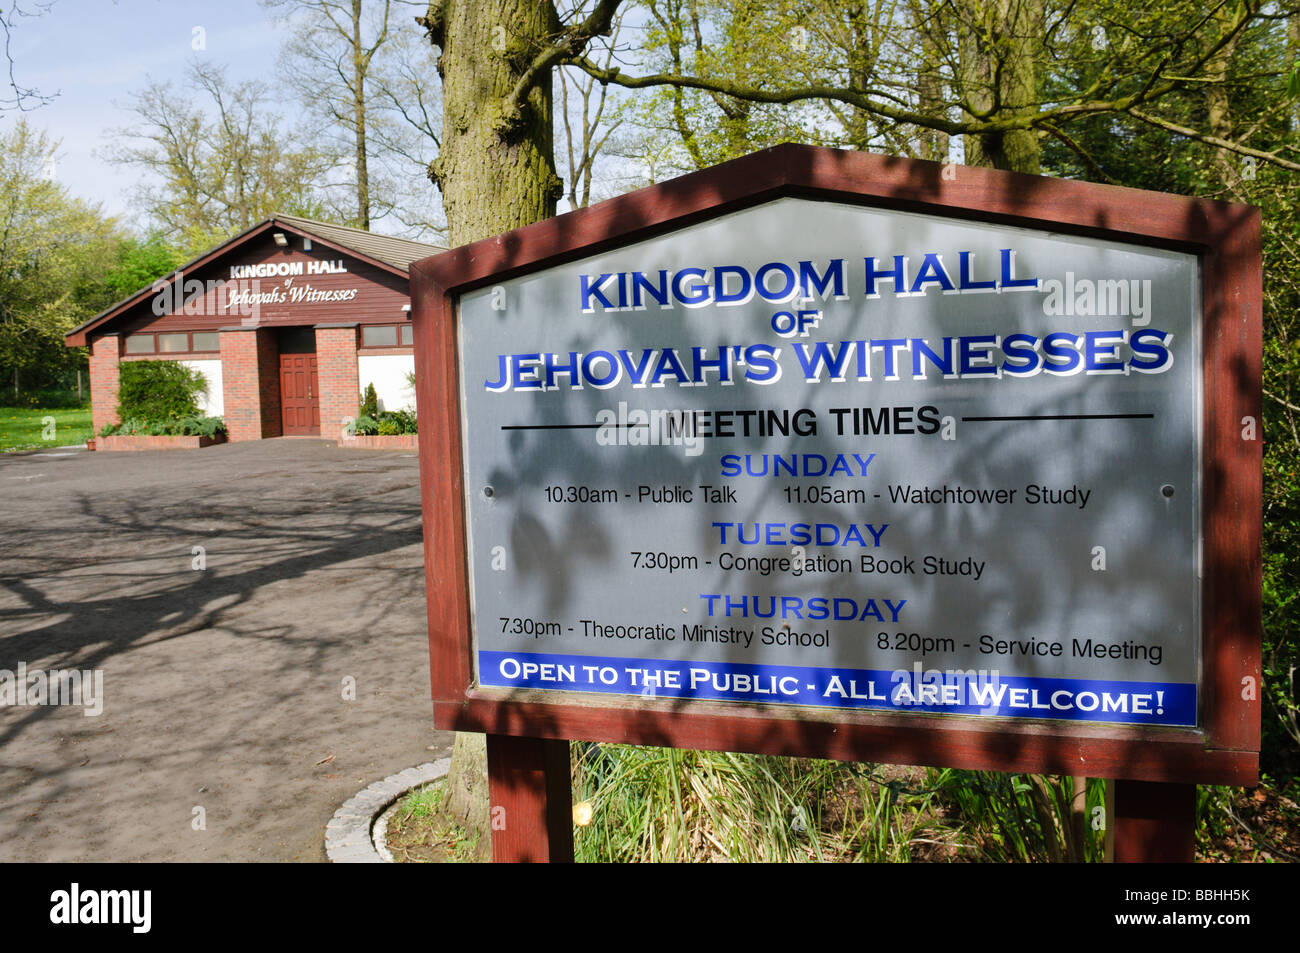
(193, 426)
(202, 426)
(369, 402)
(158, 391)
(386, 423)
(404, 419)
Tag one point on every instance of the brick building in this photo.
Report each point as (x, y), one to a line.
(287, 321)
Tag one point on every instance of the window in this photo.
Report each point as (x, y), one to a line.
(408, 335)
(174, 342)
(379, 335)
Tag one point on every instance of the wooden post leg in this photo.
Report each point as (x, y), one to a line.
(531, 811)
(1153, 822)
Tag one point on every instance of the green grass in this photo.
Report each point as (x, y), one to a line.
(421, 802)
(420, 831)
(661, 804)
(26, 428)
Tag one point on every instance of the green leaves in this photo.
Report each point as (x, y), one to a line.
(50, 259)
(140, 263)
(386, 423)
(185, 427)
(158, 391)
(369, 401)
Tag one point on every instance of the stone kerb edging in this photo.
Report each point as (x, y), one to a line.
(355, 834)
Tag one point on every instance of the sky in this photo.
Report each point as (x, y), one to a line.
(95, 53)
(92, 56)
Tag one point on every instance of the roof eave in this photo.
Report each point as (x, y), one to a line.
(78, 336)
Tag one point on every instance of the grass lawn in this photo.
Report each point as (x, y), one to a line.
(25, 428)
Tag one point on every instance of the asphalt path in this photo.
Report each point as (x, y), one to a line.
(242, 702)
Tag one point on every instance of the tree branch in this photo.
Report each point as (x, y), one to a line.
(1285, 403)
(1082, 153)
(1270, 157)
(1046, 120)
(571, 42)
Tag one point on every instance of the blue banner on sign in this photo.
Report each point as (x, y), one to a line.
(964, 692)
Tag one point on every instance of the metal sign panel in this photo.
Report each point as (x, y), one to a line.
(816, 454)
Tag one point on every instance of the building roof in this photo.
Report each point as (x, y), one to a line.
(385, 251)
(393, 251)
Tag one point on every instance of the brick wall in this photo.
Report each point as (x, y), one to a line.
(105, 351)
(250, 383)
(336, 371)
(151, 442)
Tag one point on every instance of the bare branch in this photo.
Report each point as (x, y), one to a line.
(24, 98)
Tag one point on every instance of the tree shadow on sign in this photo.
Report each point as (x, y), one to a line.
(1051, 204)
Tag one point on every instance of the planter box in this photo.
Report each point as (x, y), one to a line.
(403, 441)
(143, 442)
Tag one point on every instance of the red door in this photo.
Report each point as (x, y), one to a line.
(299, 395)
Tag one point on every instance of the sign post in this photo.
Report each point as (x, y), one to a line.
(1153, 822)
(823, 454)
(528, 789)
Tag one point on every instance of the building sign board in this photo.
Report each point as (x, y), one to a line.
(823, 455)
(784, 459)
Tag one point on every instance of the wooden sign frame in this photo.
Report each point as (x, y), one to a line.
(1226, 239)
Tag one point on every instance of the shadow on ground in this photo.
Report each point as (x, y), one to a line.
(224, 688)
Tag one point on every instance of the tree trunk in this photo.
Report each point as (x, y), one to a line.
(860, 62)
(999, 42)
(359, 69)
(930, 92)
(1218, 112)
(1292, 52)
(496, 171)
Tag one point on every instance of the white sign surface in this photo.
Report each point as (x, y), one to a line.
(822, 455)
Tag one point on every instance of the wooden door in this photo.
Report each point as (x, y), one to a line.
(299, 395)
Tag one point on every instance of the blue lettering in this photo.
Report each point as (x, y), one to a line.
(1009, 279)
(897, 274)
(587, 289)
(931, 271)
(967, 282)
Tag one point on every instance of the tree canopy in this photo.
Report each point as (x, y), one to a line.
(218, 157)
(52, 247)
